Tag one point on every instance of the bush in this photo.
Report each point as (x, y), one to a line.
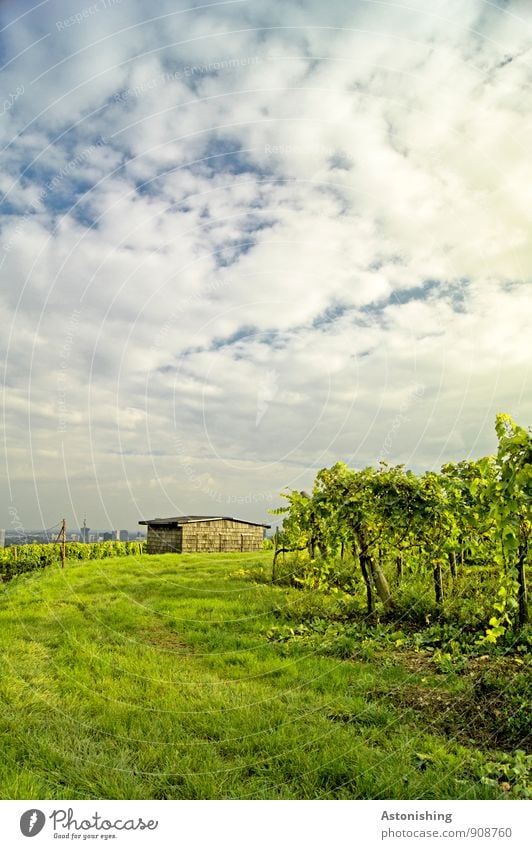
(290, 569)
(415, 602)
(512, 697)
(17, 559)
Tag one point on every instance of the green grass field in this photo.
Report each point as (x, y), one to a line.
(154, 678)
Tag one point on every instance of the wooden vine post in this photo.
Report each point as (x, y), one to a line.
(61, 538)
(275, 551)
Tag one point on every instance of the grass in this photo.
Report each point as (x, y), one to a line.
(153, 678)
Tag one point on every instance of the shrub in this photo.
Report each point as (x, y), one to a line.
(15, 560)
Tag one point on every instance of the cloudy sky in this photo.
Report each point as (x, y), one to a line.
(241, 240)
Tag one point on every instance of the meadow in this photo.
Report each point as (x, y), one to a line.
(193, 677)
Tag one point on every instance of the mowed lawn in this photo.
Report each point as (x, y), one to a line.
(153, 678)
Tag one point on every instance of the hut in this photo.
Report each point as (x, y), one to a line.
(202, 533)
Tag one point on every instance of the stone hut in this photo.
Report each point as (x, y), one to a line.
(202, 533)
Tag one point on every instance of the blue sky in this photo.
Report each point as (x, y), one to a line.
(242, 240)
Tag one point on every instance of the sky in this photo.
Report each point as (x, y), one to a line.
(240, 241)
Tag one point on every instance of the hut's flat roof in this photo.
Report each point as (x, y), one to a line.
(185, 520)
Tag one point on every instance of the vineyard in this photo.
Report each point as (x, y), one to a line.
(379, 649)
(427, 572)
(17, 559)
(439, 547)
(167, 677)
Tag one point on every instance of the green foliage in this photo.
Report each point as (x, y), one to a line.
(16, 560)
(513, 775)
(290, 569)
(414, 604)
(151, 679)
(517, 698)
(446, 643)
(453, 544)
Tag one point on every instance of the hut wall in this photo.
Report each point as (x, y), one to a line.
(222, 535)
(162, 539)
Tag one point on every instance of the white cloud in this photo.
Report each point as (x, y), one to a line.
(336, 197)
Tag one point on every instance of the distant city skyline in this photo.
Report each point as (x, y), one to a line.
(242, 241)
(8, 537)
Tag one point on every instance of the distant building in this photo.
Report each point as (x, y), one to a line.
(2, 537)
(84, 532)
(109, 535)
(203, 533)
(123, 536)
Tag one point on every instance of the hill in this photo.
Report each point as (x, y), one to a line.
(154, 677)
